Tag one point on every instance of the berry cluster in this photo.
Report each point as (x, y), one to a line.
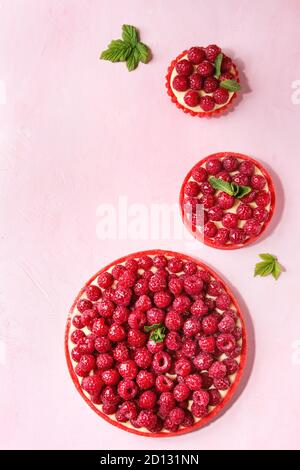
(195, 82)
(228, 220)
(155, 341)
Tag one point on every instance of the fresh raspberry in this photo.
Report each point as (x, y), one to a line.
(146, 275)
(164, 383)
(121, 352)
(188, 419)
(145, 262)
(128, 369)
(177, 416)
(92, 384)
(227, 324)
(215, 213)
(195, 81)
(191, 189)
(260, 214)
(160, 261)
(223, 301)
(116, 333)
(162, 272)
(205, 68)
(217, 370)
(221, 96)
(211, 303)
(214, 397)
(157, 283)
(226, 342)
(199, 174)
(189, 347)
(141, 287)
(184, 67)
(198, 410)
(231, 365)
(214, 288)
(109, 409)
(128, 409)
(252, 228)
(96, 399)
(180, 83)
(93, 292)
(222, 236)
(102, 344)
(86, 345)
(183, 367)
(155, 315)
(207, 344)
(201, 397)
(193, 285)
(232, 313)
(203, 361)
(76, 321)
(110, 377)
(170, 426)
(84, 304)
(105, 280)
(244, 211)
(173, 321)
(176, 285)
(230, 163)
(262, 199)
(206, 188)
(194, 382)
(250, 197)
(76, 336)
(105, 308)
(109, 395)
(173, 341)
(230, 220)
(175, 264)
(147, 400)
(120, 417)
(87, 317)
(162, 299)
(210, 229)
(118, 270)
(167, 401)
(137, 319)
(145, 379)
(191, 327)
(147, 419)
(199, 308)
(127, 389)
(213, 166)
(127, 279)
(100, 327)
(136, 338)
(120, 315)
(104, 361)
(210, 84)
(226, 76)
(196, 55)
(226, 64)
(223, 175)
(154, 347)
(131, 265)
(206, 381)
(143, 303)
(237, 333)
(85, 365)
(225, 201)
(258, 182)
(247, 168)
(222, 384)
(237, 235)
(236, 352)
(122, 295)
(212, 51)
(75, 354)
(207, 103)
(181, 392)
(162, 362)
(109, 294)
(143, 358)
(181, 304)
(240, 179)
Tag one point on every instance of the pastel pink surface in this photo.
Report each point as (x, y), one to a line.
(76, 132)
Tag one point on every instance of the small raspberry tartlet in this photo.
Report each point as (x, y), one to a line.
(155, 343)
(227, 200)
(202, 81)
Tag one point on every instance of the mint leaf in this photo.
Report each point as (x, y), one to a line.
(230, 85)
(277, 270)
(148, 328)
(158, 335)
(267, 257)
(117, 51)
(218, 63)
(133, 60)
(269, 265)
(130, 34)
(219, 184)
(242, 191)
(144, 52)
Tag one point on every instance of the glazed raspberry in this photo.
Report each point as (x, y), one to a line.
(120, 315)
(184, 67)
(244, 211)
(258, 182)
(227, 324)
(181, 392)
(173, 341)
(221, 96)
(147, 400)
(230, 163)
(145, 379)
(102, 344)
(93, 292)
(222, 236)
(175, 264)
(210, 84)
(212, 51)
(128, 409)
(92, 384)
(214, 397)
(207, 103)
(223, 301)
(76, 336)
(240, 179)
(116, 333)
(177, 416)
(190, 268)
(210, 324)
(195, 81)
(191, 188)
(87, 317)
(137, 319)
(223, 175)
(231, 365)
(176, 285)
(118, 270)
(143, 303)
(105, 280)
(147, 419)
(203, 361)
(196, 55)
(210, 229)
(136, 339)
(194, 382)
(181, 304)
(108, 294)
(85, 365)
(215, 213)
(189, 347)
(260, 214)
(252, 228)
(180, 83)
(121, 352)
(162, 299)
(75, 354)
(201, 397)
(145, 262)
(128, 369)
(154, 347)
(109, 409)
(127, 389)
(157, 283)
(226, 342)
(143, 358)
(84, 304)
(247, 168)
(217, 370)
(199, 308)
(86, 345)
(110, 377)
(76, 321)
(122, 295)
(100, 327)
(164, 383)
(213, 166)
(237, 235)
(207, 344)
(109, 395)
(173, 321)
(167, 401)
(162, 362)
(198, 410)
(191, 327)
(199, 174)
(205, 69)
(206, 188)
(127, 279)
(226, 64)
(183, 367)
(193, 285)
(230, 220)
(131, 265)
(262, 199)
(225, 201)
(222, 384)
(105, 308)
(104, 361)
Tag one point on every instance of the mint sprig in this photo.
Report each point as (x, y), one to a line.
(218, 63)
(158, 332)
(269, 265)
(128, 49)
(230, 85)
(230, 188)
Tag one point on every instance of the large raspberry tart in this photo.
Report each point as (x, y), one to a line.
(227, 200)
(202, 81)
(156, 343)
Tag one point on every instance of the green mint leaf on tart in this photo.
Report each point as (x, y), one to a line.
(158, 332)
(130, 34)
(230, 85)
(269, 265)
(218, 63)
(230, 188)
(148, 328)
(240, 191)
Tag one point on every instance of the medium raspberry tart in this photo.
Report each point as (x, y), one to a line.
(227, 200)
(162, 360)
(202, 81)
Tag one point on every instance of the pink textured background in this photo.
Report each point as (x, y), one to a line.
(75, 132)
